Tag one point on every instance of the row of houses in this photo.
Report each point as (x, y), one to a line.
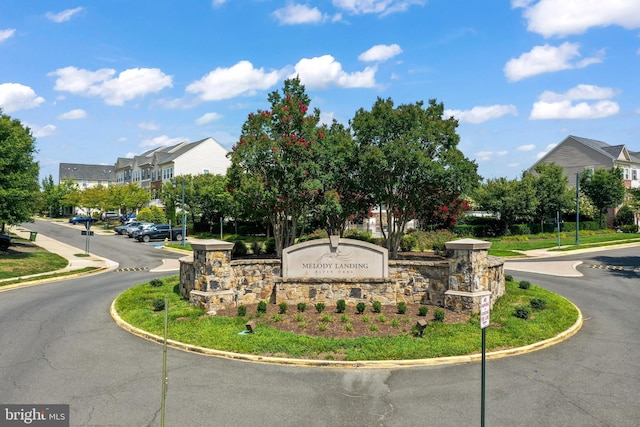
(154, 167)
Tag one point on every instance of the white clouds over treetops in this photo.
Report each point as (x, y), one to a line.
(129, 84)
(15, 97)
(324, 71)
(545, 59)
(552, 105)
(481, 114)
(63, 16)
(566, 17)
(380, 52)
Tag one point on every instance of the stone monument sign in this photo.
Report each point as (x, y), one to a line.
(335, 258)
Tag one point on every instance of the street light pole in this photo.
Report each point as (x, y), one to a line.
(577, 208)
(184, 218)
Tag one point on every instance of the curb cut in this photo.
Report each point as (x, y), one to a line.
(363, 364)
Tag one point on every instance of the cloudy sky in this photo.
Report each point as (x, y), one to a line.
(100, 80)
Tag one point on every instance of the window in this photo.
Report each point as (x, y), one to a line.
(206, 171)
(634, 174)
(626, 173)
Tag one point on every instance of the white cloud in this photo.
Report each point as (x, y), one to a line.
(63, 16)
(566, 17)
(41, 131)
(240, 79)
(294, 14)
(217, 3)
(482, 114)
(380, 52)
(208, 118)
(6, 34)
(163, 141)
(382, 7)
(324, 71)
(148, 126)
(528, 147)
(483, 156)
(15, 97)
(546, 59)
(73, 115)
(552, 105)
(544, 153)
(129, 84)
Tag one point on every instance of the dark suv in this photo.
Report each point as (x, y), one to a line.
(159, 231)
(5, 242)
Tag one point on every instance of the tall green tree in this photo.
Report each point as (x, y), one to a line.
(54, 195)
(510, 200)
(409, 161)
(604, 187)
(211, 200)
(273, 171)
(19, 187)
(128, 198)
(171, 196)
(552, 192)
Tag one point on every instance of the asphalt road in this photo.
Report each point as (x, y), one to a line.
(59, 345)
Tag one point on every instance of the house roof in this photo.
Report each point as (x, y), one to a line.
(89, 172)
(164, 155)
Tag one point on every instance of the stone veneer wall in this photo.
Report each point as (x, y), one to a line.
(213, 281)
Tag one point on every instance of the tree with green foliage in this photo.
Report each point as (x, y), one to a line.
(552, 192)
(54, 196)
(95, 198)
(128, 198)
(152, 214)
(409, 162)
(171, 197)
(604, 187)
(19, 188)
(211, 200)
(510, 200)
(273, 171)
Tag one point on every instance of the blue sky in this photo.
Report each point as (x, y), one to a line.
(100, 80)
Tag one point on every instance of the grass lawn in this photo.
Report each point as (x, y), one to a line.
(16, 264)
(192, 326)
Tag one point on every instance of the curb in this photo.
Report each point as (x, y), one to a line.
(363, 364)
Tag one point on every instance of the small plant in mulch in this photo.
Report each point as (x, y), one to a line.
(438, 315)
(524, 284)
(377, 306)
(423, 310)
(538, 303)
(283, 306)
(158, 304)
(320, 307)
(155, 283)
(242, 311)
(341, 306)
(402, 307)
(522, 312)
(360, 307)
(262, 307)
(301, 307)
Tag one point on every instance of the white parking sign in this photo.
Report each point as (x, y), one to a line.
(485, 306)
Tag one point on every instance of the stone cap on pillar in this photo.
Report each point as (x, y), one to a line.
(469, 244)
(211, 245)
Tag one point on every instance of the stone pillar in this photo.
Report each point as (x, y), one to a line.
(468, 275)
(214, 284)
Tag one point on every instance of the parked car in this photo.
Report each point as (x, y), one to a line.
(124, 229)
(81, 219)
(106, 216)
(160, 232)
(133, 232)
(5, 242)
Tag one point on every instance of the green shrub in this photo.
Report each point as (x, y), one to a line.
(326, 318)
(242, 311)
(373, 327)
(407, 243)
(508, 278)
(348, 327)
(256, 247)
(522, 312)
(262, 307)
(355, 234)
(283, 307)
(519, 229)
(239, 249)
(438, 315)
(322, 327)
(152, 214)
(402, 307)
(277, 317)
(341, 306)
(395, 323)
(423, 310)
(344, 318)
(377, 307)
(360, 307)
(524, 284)
(629, 228)
(625, 216)
(320, 307)
(156, 283)
(158, 304)
(270, 246)
(302, 307)
(538, 303)
(318, 234)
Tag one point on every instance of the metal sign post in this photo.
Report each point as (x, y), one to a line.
(485, 307)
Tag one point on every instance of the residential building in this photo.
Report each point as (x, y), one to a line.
(575, 155)
(87, 176)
